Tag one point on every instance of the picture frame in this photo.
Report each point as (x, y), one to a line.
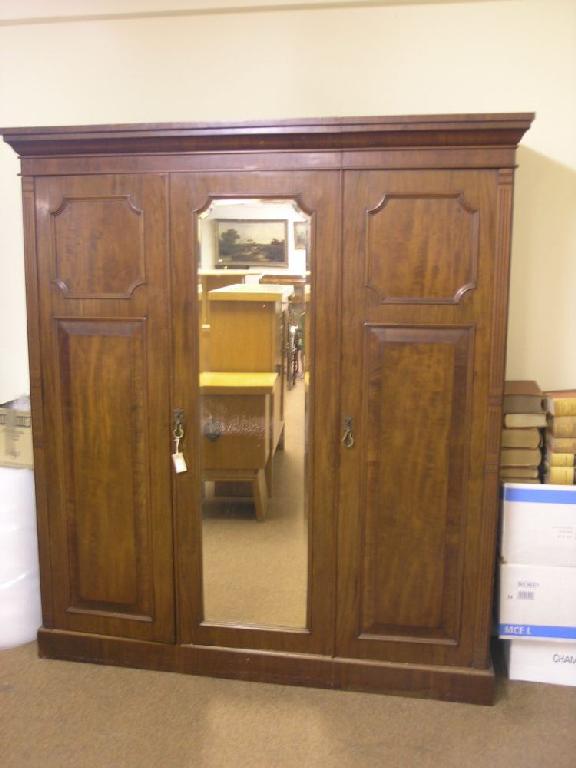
(301, 229)
(251, 242)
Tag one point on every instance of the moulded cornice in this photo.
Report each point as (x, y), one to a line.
(308, 134)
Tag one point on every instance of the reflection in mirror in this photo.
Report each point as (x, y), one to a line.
(254, 326)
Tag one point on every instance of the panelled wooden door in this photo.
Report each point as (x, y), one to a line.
(318, 194)
(418, 271)
(104, 325)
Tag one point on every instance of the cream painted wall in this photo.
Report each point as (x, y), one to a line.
(512, 55)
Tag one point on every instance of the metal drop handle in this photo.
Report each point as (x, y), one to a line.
(178, 424)
(348, 437)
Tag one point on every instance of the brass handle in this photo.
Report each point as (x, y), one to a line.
(178, 424)
(348, 437)
(177, 435)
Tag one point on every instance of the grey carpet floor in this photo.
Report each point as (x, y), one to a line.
(60, 714)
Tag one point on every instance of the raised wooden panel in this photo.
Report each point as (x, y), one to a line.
(415, 423)
(105, 416)
(98, 247)
(421, 248)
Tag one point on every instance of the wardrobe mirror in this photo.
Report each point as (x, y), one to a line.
(254, 350)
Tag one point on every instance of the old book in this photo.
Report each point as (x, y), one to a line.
(561, 402)
(516, 472)
(559, 476)
(520, 457)
(522, 404)
(523, 480)
(521, 438)
(522, 387)
(560, 444)
(562, 426)
(521, 420)
(559, 459)
(522, 397)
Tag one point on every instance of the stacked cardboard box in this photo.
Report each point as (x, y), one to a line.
(537, 590)
(524, 420)
(16, 434)
(20, 612)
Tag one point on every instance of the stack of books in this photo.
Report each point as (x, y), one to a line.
(560, 446)
(524, 420)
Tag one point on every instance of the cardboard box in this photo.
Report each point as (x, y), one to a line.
(15, 437)
(537, 601)
(539, 524)
(542, 661)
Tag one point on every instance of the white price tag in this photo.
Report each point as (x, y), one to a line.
(179, 462)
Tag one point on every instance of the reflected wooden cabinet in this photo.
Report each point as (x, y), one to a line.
(248, 332)
(405, 289)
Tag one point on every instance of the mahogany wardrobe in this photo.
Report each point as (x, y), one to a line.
(267, 363)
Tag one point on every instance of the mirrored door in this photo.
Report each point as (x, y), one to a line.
(256, 282)
(254, 294)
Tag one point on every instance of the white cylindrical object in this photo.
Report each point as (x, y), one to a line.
(20, 611)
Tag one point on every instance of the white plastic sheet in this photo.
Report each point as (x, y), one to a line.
(20, 612)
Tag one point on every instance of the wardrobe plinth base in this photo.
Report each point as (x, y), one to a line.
(462, 684)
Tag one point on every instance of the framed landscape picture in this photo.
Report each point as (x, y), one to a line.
(252, 242)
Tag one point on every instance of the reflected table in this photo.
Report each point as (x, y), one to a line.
(237, 414)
